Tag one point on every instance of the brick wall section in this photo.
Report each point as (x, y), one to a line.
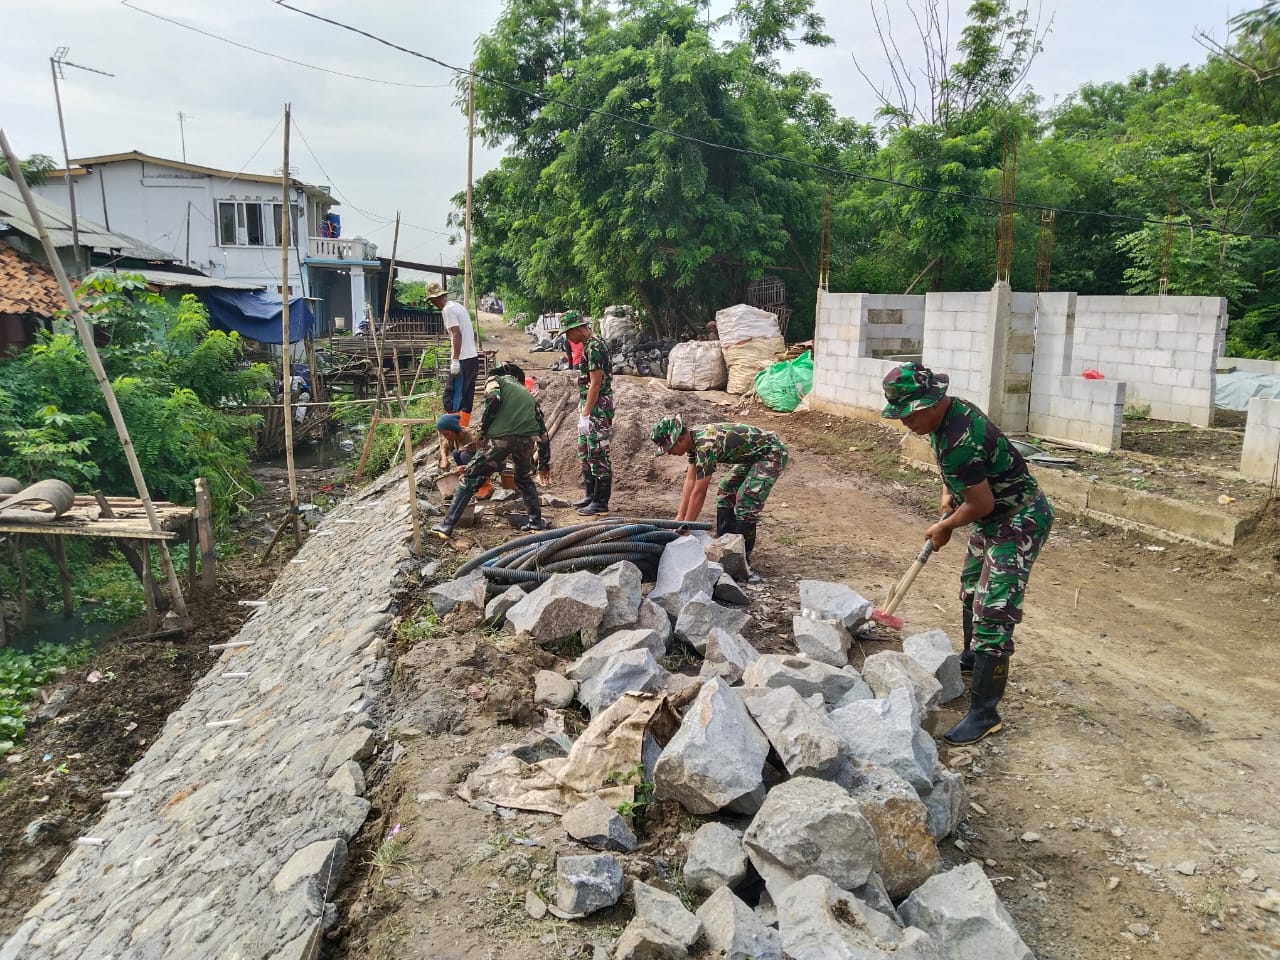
(845, 376)
(955, 333)
(894, 324)
(1064, 405)
(1261, 440)
(1164, 348)
(1019, 354)
(1245, 365)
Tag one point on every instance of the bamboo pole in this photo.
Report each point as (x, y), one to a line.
(286, 218)
(468, 282)
(204, 525)
(386, 310)
(413, 489)
(100, 374)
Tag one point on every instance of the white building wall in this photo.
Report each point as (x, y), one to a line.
(1165, 348)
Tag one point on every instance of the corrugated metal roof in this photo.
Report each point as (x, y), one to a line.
(167, 278)
(57, 221)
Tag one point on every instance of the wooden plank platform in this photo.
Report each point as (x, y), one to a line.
(130, 521)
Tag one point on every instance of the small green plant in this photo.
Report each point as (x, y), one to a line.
(634, 777)
(1137, 411)
(391, 853)
(20, 675)
(424, 626)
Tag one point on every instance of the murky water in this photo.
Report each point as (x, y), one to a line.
(48, 626)
(331, 451)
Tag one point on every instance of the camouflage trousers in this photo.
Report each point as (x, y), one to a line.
(995, 573)
(490, 457)
(593, 446)
(746, 487)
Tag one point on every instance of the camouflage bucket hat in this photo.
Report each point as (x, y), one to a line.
(435, 290)
(911, 387)
(667, 431)
(573, 319)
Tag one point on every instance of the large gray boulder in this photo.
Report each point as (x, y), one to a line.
(495, 610)
(566, 604)
(823, 640)
(665, 911)
(650, 616)
(888, 670)
(727, 655)
(805, 676)
(735, 932)
(701, 615)
(643, 941)
(821, 600)
(623, 672)
(715, 858)
(465, 593)
(598, 825)
(887, 733)
(683, 573)
(594, 658)
(961, 911)
(716, 758)
(730, 551)
(908, 854)
(802, 736)
(805, 826)
(819, 921)
(947, 803)
(588, 883)
(623, 584)
(933, 651)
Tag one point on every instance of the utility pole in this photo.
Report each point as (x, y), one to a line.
(56, 63)
(182, 132)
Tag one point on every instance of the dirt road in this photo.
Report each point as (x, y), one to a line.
(1128, 809)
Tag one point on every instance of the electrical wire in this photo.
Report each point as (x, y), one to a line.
(276, 56)
(746, 151)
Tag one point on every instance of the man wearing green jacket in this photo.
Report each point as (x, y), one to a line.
(987, 483)
(511, 425)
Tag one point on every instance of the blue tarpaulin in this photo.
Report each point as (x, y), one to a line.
(256, 315)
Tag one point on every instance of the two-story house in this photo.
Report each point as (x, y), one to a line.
(229, 225)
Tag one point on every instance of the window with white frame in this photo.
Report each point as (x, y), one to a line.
(254, 223)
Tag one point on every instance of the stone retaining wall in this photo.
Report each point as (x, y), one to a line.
(232, 831)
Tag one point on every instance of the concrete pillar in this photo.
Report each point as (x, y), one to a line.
(999, 309)
(357, 295)
(1260, 457)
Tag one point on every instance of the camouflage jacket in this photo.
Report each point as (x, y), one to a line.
(595, 356)
(730, 443)
(970, 448)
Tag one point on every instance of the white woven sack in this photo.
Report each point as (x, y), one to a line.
(742, 322)
(696, 365)
(748, 358)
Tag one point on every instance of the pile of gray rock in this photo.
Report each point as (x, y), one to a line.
(822, 784)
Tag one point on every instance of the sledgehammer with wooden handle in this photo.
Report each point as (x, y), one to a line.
(885, 616)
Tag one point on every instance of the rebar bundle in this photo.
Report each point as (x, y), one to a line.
(583, 546)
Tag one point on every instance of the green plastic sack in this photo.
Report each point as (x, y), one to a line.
(783, 385)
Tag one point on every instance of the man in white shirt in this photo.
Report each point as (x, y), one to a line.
(464, 362)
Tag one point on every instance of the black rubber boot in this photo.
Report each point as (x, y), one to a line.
(990, 674)
(600, 503)
(748, 530)
(589, 485)
(532, 505)
(444, 529)
(724, 521)
(966, 658)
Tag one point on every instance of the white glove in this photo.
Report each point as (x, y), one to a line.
(584, 426)
(455, 367)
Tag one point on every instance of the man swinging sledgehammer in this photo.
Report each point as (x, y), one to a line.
(758, 458)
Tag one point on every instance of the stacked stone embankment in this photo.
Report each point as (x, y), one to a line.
(229, 836)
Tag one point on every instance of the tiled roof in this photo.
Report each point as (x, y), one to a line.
(27, 287)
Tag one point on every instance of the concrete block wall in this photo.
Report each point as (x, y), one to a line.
(1246, 365)
(894, 324)
(955, 341)
(1080, 411)
(1164, 348)
(838, 338)
(1261, 440)
(1019, 362)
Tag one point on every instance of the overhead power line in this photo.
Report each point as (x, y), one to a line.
(277, 56)
(746, 151)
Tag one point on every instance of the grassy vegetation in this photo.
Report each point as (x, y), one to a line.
(21, 674)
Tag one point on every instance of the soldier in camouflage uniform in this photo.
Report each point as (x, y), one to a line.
(987, 483)
(595, 414)
(758, 458)
(511, 425)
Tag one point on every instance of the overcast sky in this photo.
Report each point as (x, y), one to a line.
(401, 144)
